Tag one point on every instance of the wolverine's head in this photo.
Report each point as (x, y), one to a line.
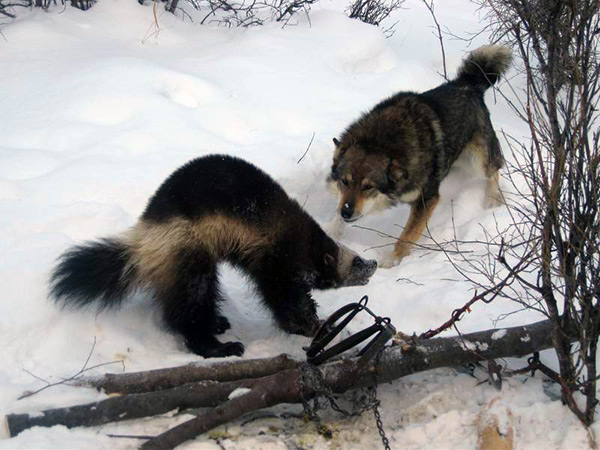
(342, 267)
(363, 180)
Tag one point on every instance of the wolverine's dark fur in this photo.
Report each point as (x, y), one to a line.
(403, 148)
(215, 208)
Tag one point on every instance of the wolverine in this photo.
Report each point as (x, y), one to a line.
(402, 149)
(213, 209)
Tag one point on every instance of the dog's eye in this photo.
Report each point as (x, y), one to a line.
(345, 182)
(334, 173)
(367, 187)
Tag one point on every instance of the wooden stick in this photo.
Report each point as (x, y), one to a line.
(154, 380)
(284, 386)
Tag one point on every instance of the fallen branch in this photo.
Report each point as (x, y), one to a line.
(154, 380)
(289, 386)
(134, 406)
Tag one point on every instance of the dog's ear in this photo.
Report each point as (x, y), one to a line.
(339, 149)
(395, 170)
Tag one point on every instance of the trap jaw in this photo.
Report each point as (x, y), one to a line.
(316, 353)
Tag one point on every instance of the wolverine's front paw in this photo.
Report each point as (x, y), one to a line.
(209, 347)
(231, 349)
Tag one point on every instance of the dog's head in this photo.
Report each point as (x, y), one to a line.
(366, 181)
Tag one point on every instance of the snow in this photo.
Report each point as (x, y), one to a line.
(498, 335)
(97, 110)
(238, 393)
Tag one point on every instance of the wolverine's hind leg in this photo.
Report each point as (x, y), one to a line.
(190, 305)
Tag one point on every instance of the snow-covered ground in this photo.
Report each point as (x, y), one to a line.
(97, 108)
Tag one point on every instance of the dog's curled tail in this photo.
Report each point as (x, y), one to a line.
(484, 66)
(98, 272)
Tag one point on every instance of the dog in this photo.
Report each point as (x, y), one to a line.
(402, 149)
(214, 209)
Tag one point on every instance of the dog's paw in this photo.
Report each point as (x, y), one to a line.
(388, 261)
(493, 201)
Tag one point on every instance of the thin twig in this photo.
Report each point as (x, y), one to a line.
(83, 369)
(431, 8)
(307, 148)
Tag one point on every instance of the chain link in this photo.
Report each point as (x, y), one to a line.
(373, 392)
(376, 403)
(312, 375)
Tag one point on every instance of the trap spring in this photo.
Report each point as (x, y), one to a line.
(383, 330)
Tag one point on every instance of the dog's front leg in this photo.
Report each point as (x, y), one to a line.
(335, 228)
(420, 212)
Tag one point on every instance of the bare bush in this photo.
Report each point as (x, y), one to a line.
(239, 13)
(373, 11)
(82, 4)
(8, 7)
(550, 250)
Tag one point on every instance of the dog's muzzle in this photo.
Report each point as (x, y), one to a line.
(347, 212)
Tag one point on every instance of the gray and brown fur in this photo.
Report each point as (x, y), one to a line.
(214, 209)
(402, 149)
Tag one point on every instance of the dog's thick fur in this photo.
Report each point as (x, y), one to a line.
(215, 208)
(402, 149)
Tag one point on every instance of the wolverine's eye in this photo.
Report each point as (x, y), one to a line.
(367, 187)
(345, 181)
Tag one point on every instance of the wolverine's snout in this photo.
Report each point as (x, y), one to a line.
(360, 271)
(364, 268)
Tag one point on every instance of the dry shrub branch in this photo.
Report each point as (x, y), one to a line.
(551, 247)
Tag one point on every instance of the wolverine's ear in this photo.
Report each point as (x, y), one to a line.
(395, 170)
(329, 260)
(336, 142)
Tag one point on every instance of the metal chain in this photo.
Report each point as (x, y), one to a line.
(312, 374)
(373, 392)
(376, 403)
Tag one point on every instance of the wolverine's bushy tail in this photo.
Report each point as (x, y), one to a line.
(484, 66)
(96, 272)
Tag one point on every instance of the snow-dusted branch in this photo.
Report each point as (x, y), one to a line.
(158, 379)
(289, 385)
